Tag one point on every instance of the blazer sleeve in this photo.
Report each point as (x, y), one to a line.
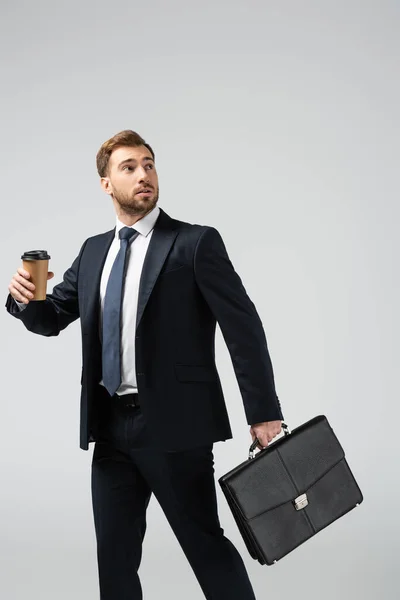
(49, 317)
(240, 325)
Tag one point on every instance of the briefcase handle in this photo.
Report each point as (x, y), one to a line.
(254, 445)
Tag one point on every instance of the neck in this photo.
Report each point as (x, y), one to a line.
(129, 218)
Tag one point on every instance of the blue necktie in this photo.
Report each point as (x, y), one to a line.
(111, 350)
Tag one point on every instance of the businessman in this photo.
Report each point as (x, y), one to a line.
(149, 293)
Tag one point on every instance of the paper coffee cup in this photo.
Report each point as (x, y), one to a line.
(36, 262)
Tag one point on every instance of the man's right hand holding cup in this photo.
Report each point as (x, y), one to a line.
(21, 288)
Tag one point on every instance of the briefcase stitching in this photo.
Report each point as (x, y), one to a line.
(303, 512)
(225, 484)
(242, 525)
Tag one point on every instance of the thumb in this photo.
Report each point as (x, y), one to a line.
(50, 275)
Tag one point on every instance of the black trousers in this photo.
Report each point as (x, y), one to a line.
(126, 469)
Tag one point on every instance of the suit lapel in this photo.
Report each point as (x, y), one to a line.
(99, 248)
(163, 236)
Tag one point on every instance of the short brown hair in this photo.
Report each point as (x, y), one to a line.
(123, 138)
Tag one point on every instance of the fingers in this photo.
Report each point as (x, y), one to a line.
(265, 438)
(273, 432)
(20, 287)
(262, 440)
(265, 432)
(18, 293)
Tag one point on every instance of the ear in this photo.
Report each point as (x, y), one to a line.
(106, 185)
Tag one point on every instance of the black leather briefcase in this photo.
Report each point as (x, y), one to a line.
(287, 492)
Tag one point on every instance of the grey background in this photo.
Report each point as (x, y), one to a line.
(276, 122)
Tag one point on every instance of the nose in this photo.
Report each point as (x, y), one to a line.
(143, 175)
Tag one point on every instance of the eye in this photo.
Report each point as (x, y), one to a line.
(150, 166)
(127, 167)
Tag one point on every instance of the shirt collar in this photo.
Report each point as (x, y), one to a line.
(143, 226)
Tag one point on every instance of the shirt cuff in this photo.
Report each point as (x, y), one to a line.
(21, 305)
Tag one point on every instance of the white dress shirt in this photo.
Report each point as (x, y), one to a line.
(134, 264)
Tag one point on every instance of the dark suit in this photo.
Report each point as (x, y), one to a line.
(187, 285)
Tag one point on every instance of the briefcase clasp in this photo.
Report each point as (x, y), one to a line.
(300, 502)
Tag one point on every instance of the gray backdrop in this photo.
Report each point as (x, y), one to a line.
(276, 122)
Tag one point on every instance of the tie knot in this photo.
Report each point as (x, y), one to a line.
(127, 232)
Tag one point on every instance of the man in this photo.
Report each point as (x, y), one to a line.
(149, 293)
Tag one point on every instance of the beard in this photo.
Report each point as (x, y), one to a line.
(133, 205)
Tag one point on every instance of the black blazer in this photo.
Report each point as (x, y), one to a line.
(187, 285)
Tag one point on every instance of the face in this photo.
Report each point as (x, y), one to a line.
(132, 181)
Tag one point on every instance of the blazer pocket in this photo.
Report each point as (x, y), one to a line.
(195, 372)
(172, 269)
